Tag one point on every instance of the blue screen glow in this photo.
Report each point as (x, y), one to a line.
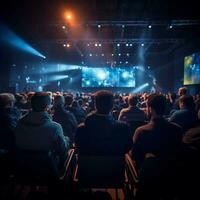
(108, 77)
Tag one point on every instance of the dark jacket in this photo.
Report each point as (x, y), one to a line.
(159, 137)
(8, 121)
(102, 135)
(67, 121)
(185, 118)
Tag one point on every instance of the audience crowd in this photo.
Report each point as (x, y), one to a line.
(161, 132)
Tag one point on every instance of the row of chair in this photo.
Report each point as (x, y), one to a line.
(37, 168)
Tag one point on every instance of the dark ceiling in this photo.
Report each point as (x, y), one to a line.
(40, 23)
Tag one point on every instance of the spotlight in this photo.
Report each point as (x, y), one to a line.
(102, 54)
(68, 45)
(69, 16)
(112, 54)
(120, 62)
(170, 26)
(99, 26)
(127, 44)
(149, 26)
(82, 62)
(130, 45)
(88, 45)
(128, 54)
(95, 44)
(148, 67)
(126, 62)
(63, 27)
(64, 45)
(99, 45)
(142, 44)
(44, 57)
(118, 45)
(81, 55)
(123, 26)
(90, 54)
(119, 54)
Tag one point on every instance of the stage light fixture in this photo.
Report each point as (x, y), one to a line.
(150, 26)
(112, 54)
(68, 45)
(123, 26)
(63, 27)
(88, 45)
(118, 45)
(119, 54)
(64, 45)
(128, 54)
(99, 26)
(170, 26)
(99, 45)
(131, 45)
(90, 54)
(127, 44)
(95, 44)
(142, 44)
(102, 54)
(126, 62)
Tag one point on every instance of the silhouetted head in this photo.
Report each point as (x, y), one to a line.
(40, 101)
(104, 101)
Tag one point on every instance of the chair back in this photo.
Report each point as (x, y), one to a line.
(101, 171)
(33, 165)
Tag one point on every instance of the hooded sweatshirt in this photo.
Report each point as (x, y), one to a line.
(37, 131)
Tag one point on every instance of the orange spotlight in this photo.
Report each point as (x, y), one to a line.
(68, 16)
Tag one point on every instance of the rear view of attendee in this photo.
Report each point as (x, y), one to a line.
(37, 131)
(132, 113)
(101, 134)
(64, 117)
(154, 149)
(78, 112)
(158, 137)
(181, 92)
(186, 117)
(9, 117)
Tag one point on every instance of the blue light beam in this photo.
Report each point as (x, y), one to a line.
(11, 38)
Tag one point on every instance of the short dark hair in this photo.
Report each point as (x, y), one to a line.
(187, 100)
(104, 101)
(39, 101)
(157, 102)
(68, 100)
(132, 100)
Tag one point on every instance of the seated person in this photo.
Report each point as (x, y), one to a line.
(64, 117)
(186, 117)
(101, 134)
(132, 113)
(37, 131)
(159, 137)
(9, 117)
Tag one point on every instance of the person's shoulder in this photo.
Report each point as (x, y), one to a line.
(55, 125)
(143, 128)
(124, 110)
